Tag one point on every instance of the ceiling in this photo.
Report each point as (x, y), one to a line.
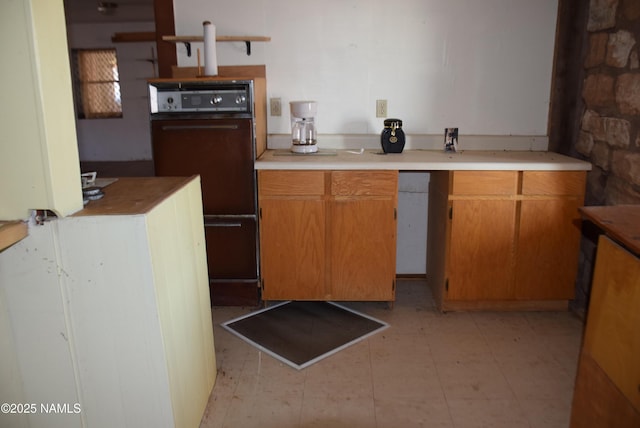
(77, 11)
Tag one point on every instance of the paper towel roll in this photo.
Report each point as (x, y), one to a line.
(210, 59)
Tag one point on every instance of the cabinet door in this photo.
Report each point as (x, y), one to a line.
(362, 225)
(611, 336)
(481, 252)
(548, 241)
(292, 248)
(548, 248)
(292, 234)
(363, 249)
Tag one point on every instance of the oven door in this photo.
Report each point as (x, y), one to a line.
(231, 247)
(232, 260)
(219, 150)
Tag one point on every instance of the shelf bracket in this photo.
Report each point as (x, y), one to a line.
(187, 40)
(188, 46)
(247, 43)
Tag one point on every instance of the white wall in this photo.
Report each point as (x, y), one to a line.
(482, 66)
(128, 138)
(413, 194)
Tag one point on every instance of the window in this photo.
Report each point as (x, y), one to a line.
(96, 83)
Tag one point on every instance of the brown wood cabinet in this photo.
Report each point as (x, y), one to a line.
(503, 239)
(292, 217)
(328, 235)
(607, 389)
(482, 236)
(549, 234)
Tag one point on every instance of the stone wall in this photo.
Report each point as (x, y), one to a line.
(610, 131)
(610, 127)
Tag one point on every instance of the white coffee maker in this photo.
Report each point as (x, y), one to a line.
(303, 128)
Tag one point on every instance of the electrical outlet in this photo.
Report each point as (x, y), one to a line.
(381, 108)
(275, 107)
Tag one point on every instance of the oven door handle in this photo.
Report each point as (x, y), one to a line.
(222, 224)
(188, 127)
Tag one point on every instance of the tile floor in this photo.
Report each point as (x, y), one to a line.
(454, 370)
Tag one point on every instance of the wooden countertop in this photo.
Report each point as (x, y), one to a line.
(136, 195)
(620, 222)
(126, 196)
(421, 160)
(12, 232)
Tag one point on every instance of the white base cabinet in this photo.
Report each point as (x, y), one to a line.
(111, 312)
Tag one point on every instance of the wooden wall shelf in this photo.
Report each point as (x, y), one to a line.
(147, 36)
(187, 40)
(150, 36)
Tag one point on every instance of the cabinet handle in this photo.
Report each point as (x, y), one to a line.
(220, 224)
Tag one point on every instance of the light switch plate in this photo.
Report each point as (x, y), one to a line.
(381, 108)
(275, 107)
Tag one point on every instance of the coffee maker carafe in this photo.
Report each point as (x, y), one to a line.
(303, 127)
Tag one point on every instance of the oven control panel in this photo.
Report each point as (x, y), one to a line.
(211, 97)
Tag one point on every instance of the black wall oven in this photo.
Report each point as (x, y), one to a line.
(208, 128)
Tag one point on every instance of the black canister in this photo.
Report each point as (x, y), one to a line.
(392, 137)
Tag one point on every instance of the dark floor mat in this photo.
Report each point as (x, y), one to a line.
(300, 333)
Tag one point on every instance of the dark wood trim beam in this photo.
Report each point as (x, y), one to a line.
(146, 36)
(566, 106)
(165, 26)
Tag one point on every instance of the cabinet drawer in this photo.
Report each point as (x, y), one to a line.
(553, 182)
(231, 244)
(484, 182)
(364, 183)
(294, 183)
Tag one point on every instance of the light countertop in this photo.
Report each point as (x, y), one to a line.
(420, 160)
